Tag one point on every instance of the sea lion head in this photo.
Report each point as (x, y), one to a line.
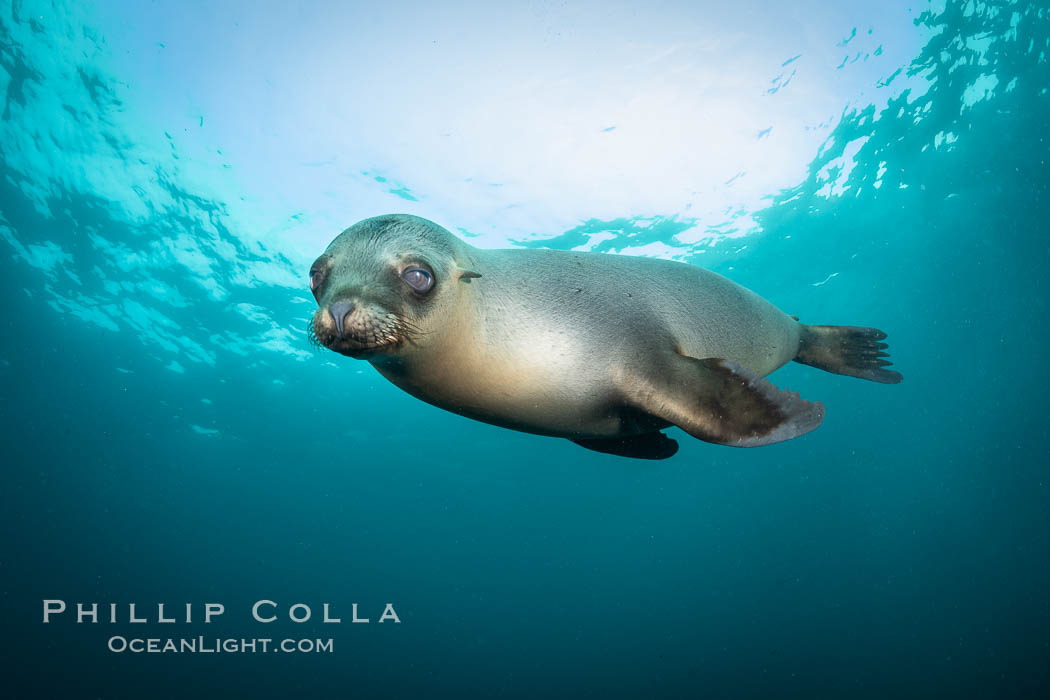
(384, 284)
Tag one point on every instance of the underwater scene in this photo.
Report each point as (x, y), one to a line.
(220, 479)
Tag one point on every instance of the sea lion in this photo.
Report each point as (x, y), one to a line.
(605, 350)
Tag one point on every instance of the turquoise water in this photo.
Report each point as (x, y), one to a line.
(172, 436)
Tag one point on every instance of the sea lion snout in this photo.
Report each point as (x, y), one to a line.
(338, 311)
(358, 328)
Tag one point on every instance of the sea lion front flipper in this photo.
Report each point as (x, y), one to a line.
(719, 401)
(648, 446)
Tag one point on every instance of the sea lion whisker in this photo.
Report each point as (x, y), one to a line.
(311, 337)
(409, 327)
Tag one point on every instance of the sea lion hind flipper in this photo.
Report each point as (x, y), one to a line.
(847, 350)
(648, 446)
(719, 401)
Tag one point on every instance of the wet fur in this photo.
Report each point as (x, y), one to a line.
(602, 349)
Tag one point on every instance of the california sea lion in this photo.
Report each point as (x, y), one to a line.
(605, 350)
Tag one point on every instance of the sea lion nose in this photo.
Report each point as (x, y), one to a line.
(338, 311)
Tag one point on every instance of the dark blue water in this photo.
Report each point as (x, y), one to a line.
(171, 436)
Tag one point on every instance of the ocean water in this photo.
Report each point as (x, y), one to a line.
(170, 436)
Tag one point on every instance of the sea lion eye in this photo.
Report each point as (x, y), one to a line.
(316, 278)
(418, 279)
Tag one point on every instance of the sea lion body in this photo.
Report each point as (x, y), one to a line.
(541, 333)
(605, 350)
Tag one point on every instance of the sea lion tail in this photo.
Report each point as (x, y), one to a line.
(849, 350)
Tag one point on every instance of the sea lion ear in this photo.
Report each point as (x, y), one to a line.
(463, 273)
